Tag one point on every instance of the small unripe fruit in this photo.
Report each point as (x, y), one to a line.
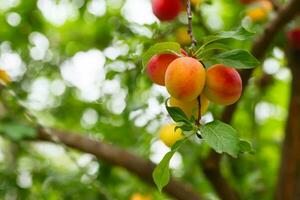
(257, 14)
(190, 108)
(260, 12)
(168, 134)
(185, 78)
(293, 37)
(4, 77)
(223, 85)
(182, 36)
(157, 66)
(166, 10)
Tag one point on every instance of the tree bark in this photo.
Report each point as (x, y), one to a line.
(118, 157)
(288, 187)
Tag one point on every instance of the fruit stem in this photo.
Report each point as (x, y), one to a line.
(190, 18)
(199, 111)
(202, 63)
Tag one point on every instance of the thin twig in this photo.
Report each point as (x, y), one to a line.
(193, 44)
(190, 26)
(199, 110)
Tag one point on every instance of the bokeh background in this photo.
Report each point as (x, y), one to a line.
(75, 65)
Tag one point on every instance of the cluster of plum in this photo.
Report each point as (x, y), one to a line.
(189, 84)
(186, 79)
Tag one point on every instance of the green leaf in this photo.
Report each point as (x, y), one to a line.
(161, 174)
(178, 144)
(211, 47)
(177, 114)
(221, 137)
(17, 131)
(240, 34)
(246, 147)
(186, 127)
(160, 48)
(216, 46)
(237, 58)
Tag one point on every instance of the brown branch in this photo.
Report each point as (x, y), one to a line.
(285, 14)
(288, 186)
(118, 157)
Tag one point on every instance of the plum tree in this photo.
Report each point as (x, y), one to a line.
(169, 136)
(185, 78)
(158, 65)
(190, 108)
(223, 85)
(166, 10)
(293, 37)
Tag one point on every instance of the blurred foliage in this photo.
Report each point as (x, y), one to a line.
(129, 110)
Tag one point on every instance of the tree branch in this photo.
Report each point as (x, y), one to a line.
(190, 22)
(118, 157)
(285, 14)
(288, 186)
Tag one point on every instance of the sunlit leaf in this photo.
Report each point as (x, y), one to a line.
(221, 137)
(161, 174)
(236, 58)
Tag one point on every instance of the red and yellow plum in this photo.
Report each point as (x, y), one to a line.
(223, 85)
(185, 78)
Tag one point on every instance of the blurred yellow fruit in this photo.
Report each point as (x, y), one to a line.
(257, 14)
(138, 196)
(182, 36)
(190, 108)
(260, 11)
(4, 77)
(168, 134)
